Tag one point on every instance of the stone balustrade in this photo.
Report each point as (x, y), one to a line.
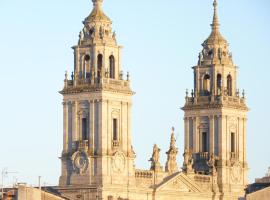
(143, 174)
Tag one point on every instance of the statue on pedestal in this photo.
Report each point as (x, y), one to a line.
(155, 164)
(188, 162)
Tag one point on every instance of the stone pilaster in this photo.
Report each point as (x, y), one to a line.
(65, 127)
(187, 139)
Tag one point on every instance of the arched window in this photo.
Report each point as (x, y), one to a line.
(112, 67)
(206, 84)
(219, 81)
(100, 61)
(99, 65)
(229, 85)
(86, 67)
(219, 84)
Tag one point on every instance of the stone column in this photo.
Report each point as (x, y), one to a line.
(187, 143)
(129, 126)
(74, 121)
(103, 121)
(196, 138)
(91, 127)
(65, 127)
(239, 139)
(223, 138)
(211, 134)
(245, 140)
(198, 83)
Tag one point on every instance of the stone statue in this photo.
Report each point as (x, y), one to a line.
(114, 35)
(219, 53)
(155, 156)
(92, 32)
(155, 164)
(188, 161)
(85, 32)
(171, 164)
(101, 32)
(200, 58)
(81, 35)
(212, 163)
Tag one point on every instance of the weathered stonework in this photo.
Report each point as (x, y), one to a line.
(98, 158)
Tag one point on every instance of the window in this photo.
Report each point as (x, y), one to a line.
(87, 57)
(100, 61)
(84, 129)
(204, 142)
(229, 85)
(99, 65)
(206, 84)
(112, 67)
(233, 142)
(115, 129)
(219, 81)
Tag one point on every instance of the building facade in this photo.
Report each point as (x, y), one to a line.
(98, 158)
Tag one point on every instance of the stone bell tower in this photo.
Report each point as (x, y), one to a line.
(97, 103)
(216, 116)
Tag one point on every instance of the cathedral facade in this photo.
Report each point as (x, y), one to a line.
(98, 157)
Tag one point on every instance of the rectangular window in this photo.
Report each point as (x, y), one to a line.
(233, 142)
(84, 129)
(204, 142)
(115, 128)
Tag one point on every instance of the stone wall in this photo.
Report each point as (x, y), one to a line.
(260, 195)
(29, 193)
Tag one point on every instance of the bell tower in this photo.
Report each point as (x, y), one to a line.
(216, 116)
(97, 148)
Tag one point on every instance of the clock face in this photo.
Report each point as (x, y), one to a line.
(80, 162)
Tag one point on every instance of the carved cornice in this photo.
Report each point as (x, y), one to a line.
(77, 90)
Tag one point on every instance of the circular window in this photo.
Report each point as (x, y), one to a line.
(87, 57)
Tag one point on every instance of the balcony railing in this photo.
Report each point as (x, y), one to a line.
(80, 145)
(97, 83)
(115, 143)
(222, 100)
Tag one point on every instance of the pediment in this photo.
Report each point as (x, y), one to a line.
(180, 182)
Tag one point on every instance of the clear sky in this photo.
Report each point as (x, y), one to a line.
(162, 40)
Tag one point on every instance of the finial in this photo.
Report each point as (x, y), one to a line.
(215, 24)
(66, 75)
(243, 94)
(192, 93)
(186, 93)
(97, 3)
(121, 75)
(128, 76)
(173, 129)
(72, 75)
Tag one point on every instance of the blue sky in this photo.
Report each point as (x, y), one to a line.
(162, 40)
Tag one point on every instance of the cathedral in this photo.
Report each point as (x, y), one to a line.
(98, 158)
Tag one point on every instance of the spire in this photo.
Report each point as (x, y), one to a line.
(215, 24)
(171, 164)
(215, 37)
(97, 4)
(97, 13)
(173, 140)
